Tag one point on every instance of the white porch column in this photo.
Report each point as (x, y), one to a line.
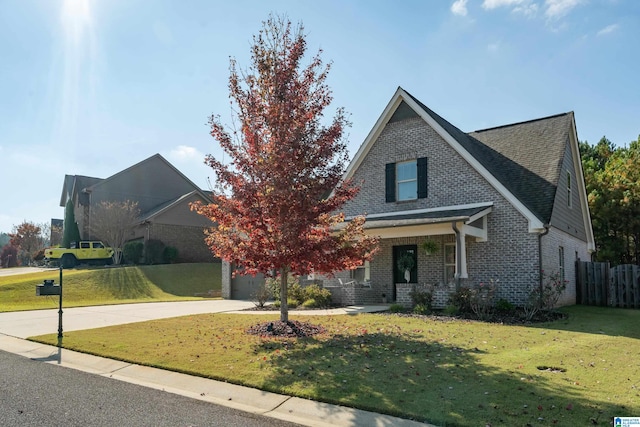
(461, 251)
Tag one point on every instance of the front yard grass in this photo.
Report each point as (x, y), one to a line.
(111, 285)
(579, 371)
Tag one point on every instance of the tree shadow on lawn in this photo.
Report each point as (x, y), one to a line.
(411, 376)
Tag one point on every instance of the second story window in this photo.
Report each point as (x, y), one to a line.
(407, 180)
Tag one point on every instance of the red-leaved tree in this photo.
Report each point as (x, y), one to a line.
(277, 202)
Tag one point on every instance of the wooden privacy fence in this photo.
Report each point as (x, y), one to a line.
(599, 284)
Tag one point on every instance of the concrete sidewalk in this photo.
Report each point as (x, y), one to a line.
(18, 325)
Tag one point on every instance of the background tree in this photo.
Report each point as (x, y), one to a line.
(272, 206)
(28, 238)
(612, 178)
(9, 256)
(70, 231)
(112, 222)
(4, 239)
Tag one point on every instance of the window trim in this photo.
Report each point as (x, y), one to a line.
(561, 265)
(446, 264)
(569, 191)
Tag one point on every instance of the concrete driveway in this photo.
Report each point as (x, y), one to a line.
(23, 270)
(23, 324)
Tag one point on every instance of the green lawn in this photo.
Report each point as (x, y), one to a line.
(111, 285)
(575, 372)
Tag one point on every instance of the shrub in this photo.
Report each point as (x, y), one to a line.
(504, 306)
(153, 252)
(274, 286)
(422, 298)
(310, 303)
(544, 299)
(552, 289)
(321, 297)
(396, 308)
(450, 310)
(170, 254)
(132, 252)
(261, 295)
(482, 299)
(461, 300)
(421, 309)
(295, 293)
(300, 295)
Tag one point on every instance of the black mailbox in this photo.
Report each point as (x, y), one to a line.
(48, 288)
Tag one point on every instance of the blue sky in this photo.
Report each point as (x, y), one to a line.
(90, 87)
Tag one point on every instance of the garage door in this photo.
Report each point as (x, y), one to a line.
(244, 287)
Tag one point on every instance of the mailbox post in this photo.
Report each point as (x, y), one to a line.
(49, 288)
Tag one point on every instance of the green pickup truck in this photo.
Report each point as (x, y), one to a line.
(90, 252)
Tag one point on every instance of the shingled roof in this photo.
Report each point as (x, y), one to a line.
(525, 157)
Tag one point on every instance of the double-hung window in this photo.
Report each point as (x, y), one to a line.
(407, 180)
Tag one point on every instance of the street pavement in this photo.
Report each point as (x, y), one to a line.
(16, 326)
(43, 394)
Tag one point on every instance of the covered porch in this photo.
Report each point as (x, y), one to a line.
(406, 262)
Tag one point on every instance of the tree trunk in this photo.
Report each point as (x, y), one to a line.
(284, 307)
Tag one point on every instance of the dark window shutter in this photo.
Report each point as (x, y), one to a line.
(390, 182)
(422, 178)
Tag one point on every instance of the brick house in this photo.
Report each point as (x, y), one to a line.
(496, 204)
(163, 194)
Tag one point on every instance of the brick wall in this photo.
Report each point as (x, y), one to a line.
(574, 249)
(188, 240)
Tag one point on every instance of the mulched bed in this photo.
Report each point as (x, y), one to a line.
(297, 329)
(510, 318)
(290, 329)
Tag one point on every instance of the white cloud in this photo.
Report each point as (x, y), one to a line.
(185, 153)
(493, 4)
(606, 30)
(529, 10)
(459, 7)
(555, 9)
(190, 161)
(493, 47)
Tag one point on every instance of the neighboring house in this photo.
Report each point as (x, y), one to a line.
(55, 232)
(163, 195)
(500, 204)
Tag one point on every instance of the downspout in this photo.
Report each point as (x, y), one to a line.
(540, 275)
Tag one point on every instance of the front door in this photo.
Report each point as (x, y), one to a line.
(405, 258)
